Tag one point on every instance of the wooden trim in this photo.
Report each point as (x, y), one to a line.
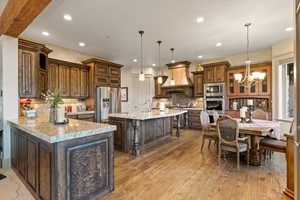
(252, 65)
(98, 60)
(33, 46)
(198, 72)
(17, 15)
(215, 64)
(67, 63)
(178, 64)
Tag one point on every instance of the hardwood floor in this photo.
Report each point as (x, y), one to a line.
(175, 169)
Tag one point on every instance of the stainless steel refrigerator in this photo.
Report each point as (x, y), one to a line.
(108, 100)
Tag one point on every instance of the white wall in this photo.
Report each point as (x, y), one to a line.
(139, 92)
(281, 51)
(9, 68)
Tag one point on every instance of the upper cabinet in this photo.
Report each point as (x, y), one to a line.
(215, 72)
(198, 84)
(259, 88)
(103, 73)
(32, 68)
(70, 78)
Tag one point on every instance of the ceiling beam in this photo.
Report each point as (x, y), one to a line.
(18, 14)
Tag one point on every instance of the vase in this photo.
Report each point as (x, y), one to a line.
(52, 115)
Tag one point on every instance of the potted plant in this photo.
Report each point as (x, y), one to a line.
(53, 99)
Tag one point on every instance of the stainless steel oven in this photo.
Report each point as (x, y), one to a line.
(214, 90)
(215, 104)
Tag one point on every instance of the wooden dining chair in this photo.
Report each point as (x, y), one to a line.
(273, 145)
(260, 114)
(229, 140)
(208, 133)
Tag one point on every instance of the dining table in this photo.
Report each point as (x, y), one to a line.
(257, 130)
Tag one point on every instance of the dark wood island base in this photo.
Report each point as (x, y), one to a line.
(74, 169)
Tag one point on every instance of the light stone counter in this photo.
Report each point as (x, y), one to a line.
(42, 129)
(148, 115)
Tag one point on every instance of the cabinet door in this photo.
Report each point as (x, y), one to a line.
(119, 133)
(265, 85)
(14, 148)
(75, 86)
(32, 161)
(209, 74)
(43, 81)
(198, 85)
(53, 76)
(22, 155)
(102, 75)
(28, 74)
(84, 83)
(115, 76)
(64, 80)
(219, 74)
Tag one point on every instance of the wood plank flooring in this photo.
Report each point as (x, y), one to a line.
(175, 169)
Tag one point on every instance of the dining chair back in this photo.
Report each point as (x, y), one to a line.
(216, 116)
(229, 140)
(208, 133)
(204, 119)
(260, 114)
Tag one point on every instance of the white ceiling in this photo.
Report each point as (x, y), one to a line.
(110, 27)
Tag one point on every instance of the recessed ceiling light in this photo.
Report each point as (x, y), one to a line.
(153, 64)
(67, 17)
(82, 44)
(173, 61)
(45, 33)
(200, 20)
(219, 44)
(135, 60)
(200, 57)
(289, 29)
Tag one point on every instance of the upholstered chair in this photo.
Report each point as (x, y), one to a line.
(229, 140)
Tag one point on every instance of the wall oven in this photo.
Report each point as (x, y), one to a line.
(214, 90)
(215, 104)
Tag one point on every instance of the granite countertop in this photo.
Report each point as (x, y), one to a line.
(81, 113)
(148, 115)
(41, 128)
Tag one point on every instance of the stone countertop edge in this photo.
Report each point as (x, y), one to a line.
(81, 113)
(65, 137)
(143, 117)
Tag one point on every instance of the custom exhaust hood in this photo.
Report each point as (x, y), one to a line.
(179, 80)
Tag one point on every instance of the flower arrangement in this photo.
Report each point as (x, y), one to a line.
(53, 99)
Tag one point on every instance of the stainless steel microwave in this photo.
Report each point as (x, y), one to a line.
(214, 90)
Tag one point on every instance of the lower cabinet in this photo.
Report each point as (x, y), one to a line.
(119, 137)
(32, 160)
(79, 168)
(85, 117)
(194, 119)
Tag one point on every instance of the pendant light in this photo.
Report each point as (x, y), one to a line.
(172, 82)
(159, 79)
(141, 75)
(250, 77)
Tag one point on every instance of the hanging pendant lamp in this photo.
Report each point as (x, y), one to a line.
(141, 75)
(172, 81)
(159, 79)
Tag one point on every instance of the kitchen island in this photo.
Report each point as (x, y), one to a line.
(61, 162)
(137, 129)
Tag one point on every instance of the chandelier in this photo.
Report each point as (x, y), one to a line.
(250, 78)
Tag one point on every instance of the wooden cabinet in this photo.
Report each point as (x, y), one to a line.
(28, 74)
(102, 73)
(31, 159)
(75, 85)
(157, 86)
(198, 84)
(85, 117)
(70, 78)
(119, 135)
(194, 119)
(258, 89)
(84, 82)
(215, 72)
(32, 69)
(64, 81)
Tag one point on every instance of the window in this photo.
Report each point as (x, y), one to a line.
(286, 91)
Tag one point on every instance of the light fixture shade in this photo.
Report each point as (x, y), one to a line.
(142, 76)
(159, 80)
(238, 77)
(172, 61)
(258, 75)
(172, 82)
